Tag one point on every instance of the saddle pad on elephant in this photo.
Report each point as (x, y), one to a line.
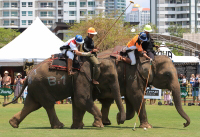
(113, 52)
(58, 62)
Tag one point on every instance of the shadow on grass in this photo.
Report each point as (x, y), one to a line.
(36, 128)
(170, 128)
(84, 128)
(107, 127)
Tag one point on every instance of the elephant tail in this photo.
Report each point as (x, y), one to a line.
(22, 90)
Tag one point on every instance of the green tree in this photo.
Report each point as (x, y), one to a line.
(7, 35)
(177, 30)
(118, 35)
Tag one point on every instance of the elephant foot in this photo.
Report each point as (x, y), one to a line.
(106, 122)
(98, 124)
(58, 126)
(145, 125)
(120, 119)
(14, 122)
(77, 126)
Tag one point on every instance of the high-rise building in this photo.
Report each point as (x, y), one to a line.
(21, 13)
(115, 6)
(181, 12)
(139, 14)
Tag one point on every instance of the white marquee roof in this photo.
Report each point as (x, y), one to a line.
(36, 42)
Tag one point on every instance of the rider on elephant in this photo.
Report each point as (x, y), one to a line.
(88, 46)
(149, 44)
(135, 43)
(71, 47)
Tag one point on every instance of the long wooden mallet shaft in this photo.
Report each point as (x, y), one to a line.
(143, 96)
(131, 2)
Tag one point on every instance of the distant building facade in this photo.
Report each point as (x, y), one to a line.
(21, 13)
(115, 6)
(139, 14)
(182, 12)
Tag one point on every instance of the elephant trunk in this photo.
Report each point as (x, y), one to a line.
(177, 101)
(121, 116)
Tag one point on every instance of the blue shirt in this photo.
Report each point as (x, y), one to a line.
(196, 83)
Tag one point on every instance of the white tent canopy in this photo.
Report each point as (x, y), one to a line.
(178, 59)
(36, 42)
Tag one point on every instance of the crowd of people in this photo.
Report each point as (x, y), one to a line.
(190, 86)
(5, 82)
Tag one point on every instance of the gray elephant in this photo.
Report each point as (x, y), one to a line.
(132, 81)
(45, 87)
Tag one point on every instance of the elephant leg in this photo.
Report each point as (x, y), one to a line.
(29, 106)
(143, 115)
(97, 115)
(130, 111)
(54, 121)
(106, 103)
(87, 104)
(77, 116)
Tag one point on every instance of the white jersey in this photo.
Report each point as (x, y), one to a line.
(72, 44)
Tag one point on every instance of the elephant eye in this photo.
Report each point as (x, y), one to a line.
(167, 74)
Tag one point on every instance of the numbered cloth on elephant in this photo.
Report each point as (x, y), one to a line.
(58, 62)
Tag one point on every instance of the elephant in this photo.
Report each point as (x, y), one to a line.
(132, 81)
(45, 87)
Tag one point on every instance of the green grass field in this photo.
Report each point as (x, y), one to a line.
(165, 120)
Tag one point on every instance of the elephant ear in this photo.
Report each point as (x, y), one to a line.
(86, 68)
(144, 67)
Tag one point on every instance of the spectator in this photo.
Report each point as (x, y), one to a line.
(66, 101)
(188, 87)
(167, 97)
(62, 101)
(199, 85)
(0, 80)
(183, 84)
(192, 78)
(195, 89)
(6, 84)
(18, 82)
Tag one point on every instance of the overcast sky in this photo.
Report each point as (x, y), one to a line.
(143, 4)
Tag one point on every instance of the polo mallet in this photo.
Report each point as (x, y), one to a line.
(142, 97)
(131, 2)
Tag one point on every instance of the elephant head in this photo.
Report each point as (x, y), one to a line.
(163, 75)
(145, 69)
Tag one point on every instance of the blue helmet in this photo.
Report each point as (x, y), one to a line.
(143, 36)
(79, 39)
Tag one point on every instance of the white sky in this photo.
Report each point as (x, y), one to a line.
(143, 4)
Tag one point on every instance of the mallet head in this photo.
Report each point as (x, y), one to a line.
(133, 129)
(131, 2)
